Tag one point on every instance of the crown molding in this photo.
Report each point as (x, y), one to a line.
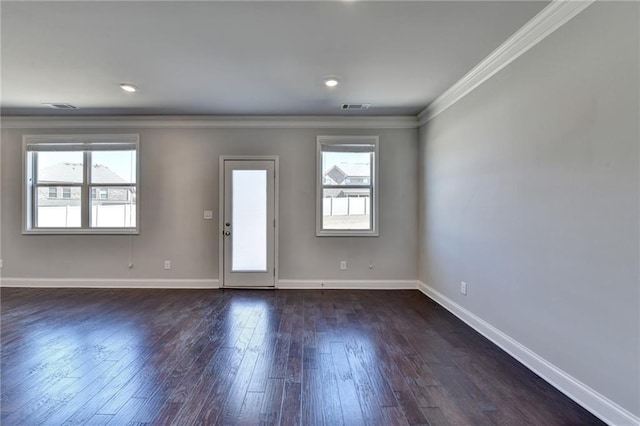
(552, 17)
(208, 122)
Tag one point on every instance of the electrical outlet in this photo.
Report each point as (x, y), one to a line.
(343, 265)
(463, 288)
(1, 265)
(167, 264)
(208, 214)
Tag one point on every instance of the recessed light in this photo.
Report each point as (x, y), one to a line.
(331, 81)
(128, 87)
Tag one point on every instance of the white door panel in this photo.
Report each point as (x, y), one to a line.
(249, 223)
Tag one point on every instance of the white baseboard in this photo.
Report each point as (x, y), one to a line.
(109, 283)
(591, 400)
(346, 284)
(203, 283)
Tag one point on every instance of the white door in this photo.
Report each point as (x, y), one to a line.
(248, 223)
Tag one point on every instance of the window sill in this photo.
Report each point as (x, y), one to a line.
(66, 231)
(347, 234)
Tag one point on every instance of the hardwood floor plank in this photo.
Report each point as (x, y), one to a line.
(272, 402)
(351, 410)
(251, 408)
(392, 416)
(100, 419)
(436, 418)
(89, 386)
(262, 368)
(198, 396)
(331, 402)
(368, 364)
(127, 411)
(311, 390)
(39, 409)
(236, 394)
(410, 408)
(278, 366)
(291, 405)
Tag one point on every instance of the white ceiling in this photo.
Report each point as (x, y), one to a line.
(244, 58)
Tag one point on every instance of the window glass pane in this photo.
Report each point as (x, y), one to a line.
(346, 168)
(346, 209)
(113, 207)
(58, 212)
(63, 167)
(113, 167)
(249, 223)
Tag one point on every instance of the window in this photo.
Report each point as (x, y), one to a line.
(347, 194)
(97, 176)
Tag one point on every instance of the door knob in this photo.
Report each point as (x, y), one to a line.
(227, 233)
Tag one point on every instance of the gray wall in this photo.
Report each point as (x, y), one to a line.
(529, 192)
(179, 180)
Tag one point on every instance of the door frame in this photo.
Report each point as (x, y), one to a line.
(276, 196)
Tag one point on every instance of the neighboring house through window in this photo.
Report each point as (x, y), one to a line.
(347, 197)
(97, 176)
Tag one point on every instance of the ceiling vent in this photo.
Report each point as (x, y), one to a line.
(61, 106)
(356, 106)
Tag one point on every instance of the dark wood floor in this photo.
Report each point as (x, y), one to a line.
(258, 357)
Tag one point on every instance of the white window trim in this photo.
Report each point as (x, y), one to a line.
(329, 140)
(27, 202)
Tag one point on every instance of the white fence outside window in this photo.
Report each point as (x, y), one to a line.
(345, 206)
(102, 216)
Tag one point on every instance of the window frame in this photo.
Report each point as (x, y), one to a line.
(29, 187)
(321, 141)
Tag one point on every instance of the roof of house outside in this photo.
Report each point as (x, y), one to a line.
(72, 172)
(352, 169)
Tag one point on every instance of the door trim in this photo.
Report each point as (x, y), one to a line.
(276, 215)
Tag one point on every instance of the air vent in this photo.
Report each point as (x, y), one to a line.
(356, 106)
(60, 106)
